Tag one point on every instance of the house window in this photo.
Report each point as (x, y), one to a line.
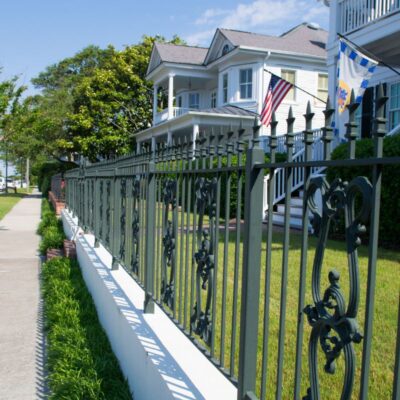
(322, 87)
(225, 50)
(194, 100)
(246, 83)
(225, 88)
(290, 76)
(394, 106)
(179, 101)
(213, 99)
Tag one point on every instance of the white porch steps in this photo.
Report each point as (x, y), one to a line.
(296, 210)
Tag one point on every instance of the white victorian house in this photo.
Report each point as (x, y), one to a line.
(224, 85)
(374, 25)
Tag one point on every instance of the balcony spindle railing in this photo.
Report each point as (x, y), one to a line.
(354, 14)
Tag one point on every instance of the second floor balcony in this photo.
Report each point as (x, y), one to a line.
(356, 14)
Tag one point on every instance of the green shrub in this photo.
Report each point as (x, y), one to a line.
(45, 171)
(389, 229)
(48, 218)
(45, 186)
(80, 361)
(280, 157)
(53, 238)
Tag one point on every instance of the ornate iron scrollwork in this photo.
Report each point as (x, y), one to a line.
(206, 192)
(333, 324)
(123, 219)
(135, 225)
(167, 283)
(108, 211)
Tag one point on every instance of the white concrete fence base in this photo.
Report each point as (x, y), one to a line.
(157, 359)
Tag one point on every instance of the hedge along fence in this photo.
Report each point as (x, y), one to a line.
(50, 228)
(80, 360)
(49, 168)
(389, 229)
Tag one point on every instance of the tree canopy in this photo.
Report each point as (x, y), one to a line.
(88, 104)
(91, 103)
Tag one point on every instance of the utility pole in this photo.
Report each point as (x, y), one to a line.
(6, 160)
(27, 175)
(21, 175)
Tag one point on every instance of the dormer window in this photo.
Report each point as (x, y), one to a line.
(225, 50)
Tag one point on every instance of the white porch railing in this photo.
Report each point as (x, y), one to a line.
(298, 173)
(355, 14)
(162, 116)
(178, 111)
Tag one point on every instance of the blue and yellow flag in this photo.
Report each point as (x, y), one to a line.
(354, 71)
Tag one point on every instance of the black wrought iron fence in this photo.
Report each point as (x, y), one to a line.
(257, 300)
(57, 186)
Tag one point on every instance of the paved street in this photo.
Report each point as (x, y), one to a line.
(21, 340)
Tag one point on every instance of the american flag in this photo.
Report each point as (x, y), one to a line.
(277, 90)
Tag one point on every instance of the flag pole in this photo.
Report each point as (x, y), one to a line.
(373, 56)
(298, 87)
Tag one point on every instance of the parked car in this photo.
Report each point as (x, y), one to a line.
(11, 185)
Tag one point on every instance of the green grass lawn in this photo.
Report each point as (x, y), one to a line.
(385, 313)
(8, 201)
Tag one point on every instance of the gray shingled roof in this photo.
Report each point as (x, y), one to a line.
(229, 110)
(181, 54)
(302, 39)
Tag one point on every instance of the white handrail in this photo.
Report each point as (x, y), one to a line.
(298, 172)
(394, 131)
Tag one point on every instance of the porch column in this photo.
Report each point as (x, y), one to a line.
(170, 96)
(138, 147)
(195, 135)
(169, 138)
(153, 144)
(155, 102)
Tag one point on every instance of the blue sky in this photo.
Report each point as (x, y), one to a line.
(35, 34)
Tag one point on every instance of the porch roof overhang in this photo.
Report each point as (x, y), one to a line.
(210, 117)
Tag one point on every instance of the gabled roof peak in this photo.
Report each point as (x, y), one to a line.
(305, 25)
(304, 39)
(179, 45)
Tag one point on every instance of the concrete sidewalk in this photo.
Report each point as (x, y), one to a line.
(21, 338)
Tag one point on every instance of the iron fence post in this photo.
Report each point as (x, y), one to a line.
(113, 200)
(150, 243)
(251, 272)
(379, 133)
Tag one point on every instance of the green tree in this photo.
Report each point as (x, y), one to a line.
(114, 102)
(90, 104)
